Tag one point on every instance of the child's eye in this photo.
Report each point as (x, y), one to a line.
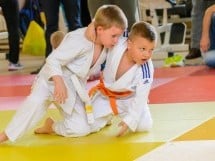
(142, 49)
(115, 36)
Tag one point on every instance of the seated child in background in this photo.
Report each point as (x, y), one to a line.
(207, 42)
(56, 38)
(126, 81)
(63, 78)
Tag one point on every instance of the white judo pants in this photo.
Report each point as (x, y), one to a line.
(34, 108)
(145, 123)
(103, 114)
(74, 124)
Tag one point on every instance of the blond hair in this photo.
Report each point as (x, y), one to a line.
(144, 30)
(110, 15)
(56, 38)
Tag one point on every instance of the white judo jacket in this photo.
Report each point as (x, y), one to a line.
(72, 58)
(137, 79)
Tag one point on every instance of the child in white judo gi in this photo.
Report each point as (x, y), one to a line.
(126, 81)
(62, 79)
(124, 85)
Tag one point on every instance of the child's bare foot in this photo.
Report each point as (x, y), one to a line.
(46, 128)
(3, 137)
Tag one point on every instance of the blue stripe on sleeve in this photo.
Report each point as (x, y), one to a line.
(145, 70)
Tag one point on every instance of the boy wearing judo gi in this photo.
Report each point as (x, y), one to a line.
(63, 77)
(124, 85)
(126, 81)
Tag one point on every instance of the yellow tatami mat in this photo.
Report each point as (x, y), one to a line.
(174, 119)
(205, 131)
(170, 121)
(102, 146)
(197, 143)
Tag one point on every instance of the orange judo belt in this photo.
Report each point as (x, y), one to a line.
(112, 95)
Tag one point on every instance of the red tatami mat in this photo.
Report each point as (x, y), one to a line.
(171, 85)
(15, 80)
(193, 84)
(12, 91)
(15, 85)
(178, 71)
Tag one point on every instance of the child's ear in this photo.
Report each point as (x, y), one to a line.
(99, 29)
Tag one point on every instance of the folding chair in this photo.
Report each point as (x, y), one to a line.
(171, 35)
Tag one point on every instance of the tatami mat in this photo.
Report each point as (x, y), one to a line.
(204, 131)
(182, 102)
(174, 120)
(185, 89)
(182, 151)
(187, 84)
(103, 146)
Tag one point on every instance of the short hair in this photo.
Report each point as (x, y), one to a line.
(144, 30)
(56, 38)
(110, 15)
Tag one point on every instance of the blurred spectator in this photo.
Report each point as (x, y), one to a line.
(30, 10)
(199, 7)
(72, 12)
(207, 42)
(85, 14)
(10, 10)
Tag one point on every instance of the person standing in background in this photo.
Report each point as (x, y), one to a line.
(207, 43)
(10, 9)
(85, 14)
(198, 10)
(129, 7)
(72, 12)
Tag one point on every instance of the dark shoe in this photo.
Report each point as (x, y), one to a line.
(36, 71)
(194, 53)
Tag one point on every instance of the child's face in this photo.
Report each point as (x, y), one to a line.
(140, 49)
(109, 37)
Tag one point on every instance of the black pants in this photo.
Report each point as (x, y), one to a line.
(10, 11)
(72, 14)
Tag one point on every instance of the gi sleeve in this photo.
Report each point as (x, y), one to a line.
(72, 46)
(140, 101)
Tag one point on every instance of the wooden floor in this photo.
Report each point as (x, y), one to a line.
(182, 103)
(30, 63)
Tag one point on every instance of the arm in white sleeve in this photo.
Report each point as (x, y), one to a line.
(140, 102)
(71, 47)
